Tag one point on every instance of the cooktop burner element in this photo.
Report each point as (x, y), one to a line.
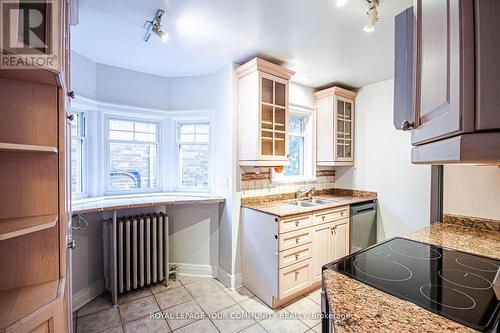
(382, 269)
(477, 264)
(454, 284)
(464, 279)
(455, 299)
(415, 251)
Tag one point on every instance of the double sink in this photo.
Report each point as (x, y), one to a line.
(309, 202)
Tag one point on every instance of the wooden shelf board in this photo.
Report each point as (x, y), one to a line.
(16, 227)
(27, 148)
(16, 304)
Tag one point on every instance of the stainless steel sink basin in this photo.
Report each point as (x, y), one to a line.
(309, 202)
(300, 203)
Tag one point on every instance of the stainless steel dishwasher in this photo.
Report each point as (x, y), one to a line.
(363, 225)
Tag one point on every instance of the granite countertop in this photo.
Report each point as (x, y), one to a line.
(361, 308)
(275, 205)
(100, 204)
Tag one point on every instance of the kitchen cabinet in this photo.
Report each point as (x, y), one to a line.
(282, 257)
(263, 113)
(330, 243)
(35, 295)
(335, 127)
(456, 80)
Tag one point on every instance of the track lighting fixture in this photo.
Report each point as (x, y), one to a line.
(373, 16)
(154, 26)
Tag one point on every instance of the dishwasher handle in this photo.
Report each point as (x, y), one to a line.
(363, 208)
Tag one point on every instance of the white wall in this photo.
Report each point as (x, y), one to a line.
(382, 164)
(83, 75)
(472, 191)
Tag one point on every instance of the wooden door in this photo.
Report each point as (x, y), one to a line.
(444, 73)
(323, 251)
(273, 117)
(340, 240)
(344, 129)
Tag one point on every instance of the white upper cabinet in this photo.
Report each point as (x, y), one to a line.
(335, 127)
(263, 113)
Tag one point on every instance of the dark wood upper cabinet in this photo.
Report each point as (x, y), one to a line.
(487, 13)
(456, 81)
(444, 69)
(403, 69)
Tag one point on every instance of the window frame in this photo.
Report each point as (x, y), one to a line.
(107, 145)
(178, 143)
(83, 137)
(309, 125)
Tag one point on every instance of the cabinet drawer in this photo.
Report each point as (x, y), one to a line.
(295, 223)
(294, 238)
(294, 255)
(294, 278)
(331, 215)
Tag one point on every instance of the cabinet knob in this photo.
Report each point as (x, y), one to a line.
(406, 125)
(342, 213)
(296, 256)
(323, 217)
(72, 244)
(71, 94)
(297, 239)
(70, 116)
(296, 223)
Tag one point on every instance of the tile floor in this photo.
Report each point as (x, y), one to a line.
(192, 305)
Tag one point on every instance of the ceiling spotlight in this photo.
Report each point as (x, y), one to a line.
(154, 26)
(373, 16)
(341, 3)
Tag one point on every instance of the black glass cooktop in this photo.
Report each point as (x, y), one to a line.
(454, 284)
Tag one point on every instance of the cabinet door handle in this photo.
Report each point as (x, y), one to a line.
(297, 239)
(342, 213)
(296, 256)
(296, 223)
(323, 217)
(70, 116)
(72, 244)
(406, 125)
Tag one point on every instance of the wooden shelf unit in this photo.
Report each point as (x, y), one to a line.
(18, 304)
(15, 227)
(15, 147)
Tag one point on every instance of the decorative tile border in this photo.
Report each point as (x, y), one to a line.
(472, 222)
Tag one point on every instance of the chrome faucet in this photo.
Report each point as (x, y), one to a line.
(303, 191)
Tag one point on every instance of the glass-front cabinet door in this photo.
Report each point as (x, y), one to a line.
(344, 129)
(274, 114)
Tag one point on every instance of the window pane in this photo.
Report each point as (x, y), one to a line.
(296, 151)
(120, 135)
(145, 137)
(76, 166)
(193, 161)
(187, 138)
(145, 127)
(202, 138)
(123, 125)
(132, 166)
(202, 128)
(295, 125)
(187, 129)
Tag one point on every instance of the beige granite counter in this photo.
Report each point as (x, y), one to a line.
(361, 308)
(276, 204)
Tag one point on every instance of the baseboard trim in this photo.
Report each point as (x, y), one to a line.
(87, 294)
(195, 270)
(229, 280)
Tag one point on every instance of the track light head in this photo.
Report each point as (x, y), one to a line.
(373, 15)
(154, 26)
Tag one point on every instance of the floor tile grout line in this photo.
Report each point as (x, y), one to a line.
(161, 311)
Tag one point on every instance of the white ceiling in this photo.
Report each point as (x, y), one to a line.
(323, 43)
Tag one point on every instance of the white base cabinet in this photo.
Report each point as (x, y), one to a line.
(282, 257)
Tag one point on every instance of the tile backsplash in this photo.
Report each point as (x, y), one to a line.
(255, 184)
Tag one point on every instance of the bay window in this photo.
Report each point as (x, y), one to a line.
(78, 154)
(132, 155)
(194, 155)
